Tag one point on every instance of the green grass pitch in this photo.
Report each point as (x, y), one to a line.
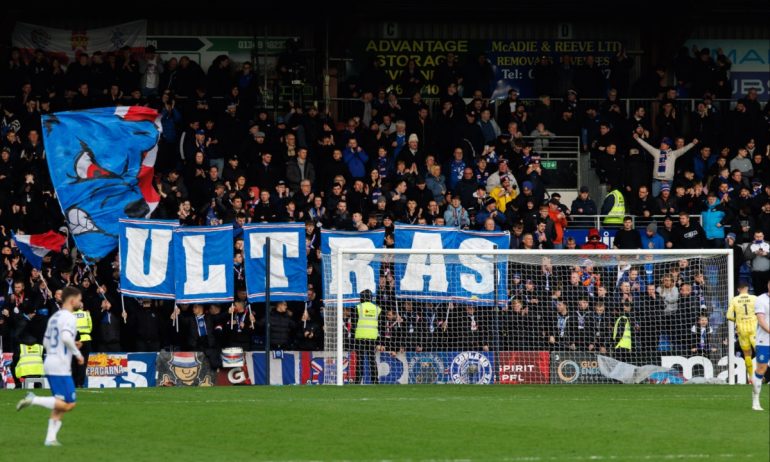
(489, 423)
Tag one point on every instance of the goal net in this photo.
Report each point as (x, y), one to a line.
(511, 316)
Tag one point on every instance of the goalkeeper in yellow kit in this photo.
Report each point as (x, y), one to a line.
(741, 312)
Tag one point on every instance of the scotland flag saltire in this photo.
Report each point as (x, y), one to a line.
(102, 165)
(36, 246)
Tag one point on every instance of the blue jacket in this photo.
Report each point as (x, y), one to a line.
(169, 121)
(711, 217)
(356, 162)
(437, 187)
(454, 173)
(499, 218)
(456, 217)
(654, 242)
(701, 167)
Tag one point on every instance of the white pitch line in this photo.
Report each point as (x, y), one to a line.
(624, 457)
(512, 398)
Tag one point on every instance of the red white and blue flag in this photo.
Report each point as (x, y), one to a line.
(36, 246)
(102, 165)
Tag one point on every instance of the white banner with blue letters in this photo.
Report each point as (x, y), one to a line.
(288, 261)
(467, 278)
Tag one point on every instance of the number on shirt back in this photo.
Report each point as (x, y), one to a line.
(54, 337)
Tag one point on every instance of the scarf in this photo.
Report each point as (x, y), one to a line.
(662, 161)
(201, 321)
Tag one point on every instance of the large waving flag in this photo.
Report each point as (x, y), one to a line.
(102, 164)
(36, 246)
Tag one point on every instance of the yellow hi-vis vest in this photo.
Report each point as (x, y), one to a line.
(625, 340)
(83, 324)
(366, 328)
(618, 210)
(30, 361)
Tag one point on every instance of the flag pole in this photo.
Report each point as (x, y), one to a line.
(267, 312)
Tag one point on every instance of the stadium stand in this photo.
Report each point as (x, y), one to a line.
(373, 159)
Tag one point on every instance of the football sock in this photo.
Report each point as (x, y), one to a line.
(749, 365)
(48, 402)
(53, 429)
(757, 385)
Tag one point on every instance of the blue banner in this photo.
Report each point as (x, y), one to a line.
(101, 163)
(464, 367)
(362, 271)
(467, 278)
(284, 368)
(288, 261)
(147, 268)
(514, 61)
(392, 369)
(203, 264)
(121, 370)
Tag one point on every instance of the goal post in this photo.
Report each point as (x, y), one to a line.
(532, 316)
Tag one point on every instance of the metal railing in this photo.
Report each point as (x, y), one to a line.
(597, 221)
(343, 108)
(554, 147)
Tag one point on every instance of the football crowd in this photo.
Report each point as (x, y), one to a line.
(464, 161)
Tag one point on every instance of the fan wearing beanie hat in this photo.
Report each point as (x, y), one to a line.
(664, 159)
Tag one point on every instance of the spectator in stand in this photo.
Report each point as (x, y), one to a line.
(644, 206)
(742, 163)
(689, 234)
(663, 160)
(455, 215)
(712, 218)
(503, 170)
(489, 127)
(757, 253)
(583, 204)
(650, 239)
(541, 137)
(504, 194)
(562, 332)
(490, 211)
(567, 124)
(627, 237)
(611, 166)
(703, 342)
(559, 220)
(355, 159)
(594, 241)
(470, 135)
(703, 163)
(665, 202)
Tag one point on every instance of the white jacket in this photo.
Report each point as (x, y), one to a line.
(672, 156)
